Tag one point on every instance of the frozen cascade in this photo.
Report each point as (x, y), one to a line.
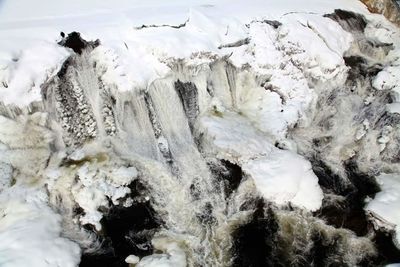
(174, 172)
(153, 125)
(197, 217)
(132, 117)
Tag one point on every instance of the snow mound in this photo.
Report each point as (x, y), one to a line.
(387, 202)
(279, 175)
(285, 177)
(30, 232)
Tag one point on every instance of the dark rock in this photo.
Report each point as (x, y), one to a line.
(388, 252)
(126, 231)
(349, 21)
(348, 213)
(360, 68)
(76, 42)
(256, 241)
(188, 94)
(66, 64)
(327, 179)
(274, 23)
(364, 184)
(239, 43)
(229, 174)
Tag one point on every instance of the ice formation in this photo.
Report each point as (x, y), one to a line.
(199, 134)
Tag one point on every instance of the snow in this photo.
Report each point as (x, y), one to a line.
(284, 177)
(394, 107)
(279, 175)
(132, 259)
(173, 256)
(322, 43)
(389, 78)
(30, 232)
(30, 34)
(92, 186)
(387, 202)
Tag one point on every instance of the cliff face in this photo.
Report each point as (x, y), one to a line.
(389, 8)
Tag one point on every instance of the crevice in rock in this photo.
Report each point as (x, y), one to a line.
(163, 25)
(239, 43)
(162, 142)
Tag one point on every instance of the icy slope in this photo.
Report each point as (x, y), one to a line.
(191, 131)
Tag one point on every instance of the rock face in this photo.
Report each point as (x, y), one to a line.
(389, 8)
